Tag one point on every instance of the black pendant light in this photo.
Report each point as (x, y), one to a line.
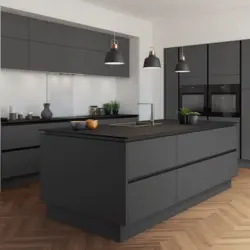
(114, 56)
(182, 66)
(152, 62)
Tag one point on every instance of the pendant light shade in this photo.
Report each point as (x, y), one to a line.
(152, 62)
(182, 66)
(114, 56)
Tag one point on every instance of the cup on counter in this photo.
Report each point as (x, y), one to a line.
(12, 116)
(20, 116)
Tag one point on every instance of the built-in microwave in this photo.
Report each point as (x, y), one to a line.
(194, 98)
(224, 100)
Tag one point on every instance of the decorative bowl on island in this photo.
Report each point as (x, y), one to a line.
(77, 125)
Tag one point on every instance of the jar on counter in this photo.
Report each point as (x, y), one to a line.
(93, 110)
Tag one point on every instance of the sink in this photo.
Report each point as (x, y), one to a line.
(135, 124)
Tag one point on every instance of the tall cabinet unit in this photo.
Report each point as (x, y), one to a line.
(171, 83)
(245, 100)
(196, 56)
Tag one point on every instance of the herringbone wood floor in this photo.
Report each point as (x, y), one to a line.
(220, 223)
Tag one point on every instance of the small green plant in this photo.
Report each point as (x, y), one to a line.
(107, 107)
(194, 113)
(115, 105)
(184, 111)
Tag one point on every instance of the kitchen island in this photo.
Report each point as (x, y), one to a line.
(117, 181)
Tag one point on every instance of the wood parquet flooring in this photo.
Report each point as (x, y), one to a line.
(220, 223)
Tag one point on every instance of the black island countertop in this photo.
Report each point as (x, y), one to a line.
(123, 133)
(64, 119)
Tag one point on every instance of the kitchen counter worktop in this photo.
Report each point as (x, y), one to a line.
(123, 133)
(64, 119)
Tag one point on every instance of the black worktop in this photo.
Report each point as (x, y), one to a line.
(64, 119)
(122, 133)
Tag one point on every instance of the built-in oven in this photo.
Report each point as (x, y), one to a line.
(224, 100)
(194, 98)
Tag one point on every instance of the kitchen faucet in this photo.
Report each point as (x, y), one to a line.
(152, 111)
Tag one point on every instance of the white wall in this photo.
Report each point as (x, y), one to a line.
(139, 86)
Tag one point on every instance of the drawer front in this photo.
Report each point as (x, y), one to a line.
(195, 146)
(20, 163)
(150, 156)
(120, 120)
(197, 178)
(193, 180)
(26, 135)
(151, 195)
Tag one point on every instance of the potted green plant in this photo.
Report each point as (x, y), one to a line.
(115, 107)
(193, 117)
(107, 108)
(183, 115)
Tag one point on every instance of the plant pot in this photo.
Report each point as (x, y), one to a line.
(107, 111)
(183, 119)
(115, 111)
(46, 113)
(193, 119)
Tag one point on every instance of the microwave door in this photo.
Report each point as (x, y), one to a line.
(225, 104)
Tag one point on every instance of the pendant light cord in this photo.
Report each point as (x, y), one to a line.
(47, 88)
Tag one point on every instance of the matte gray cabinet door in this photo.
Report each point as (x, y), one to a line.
(245, 125)
(14, 53)
(224, 63)
(143, 159)
(245, 57)
(20, 163)
(193, 180)
(151, 195)
(59, 34)
(196, 57)
(14, 26)
(171, 83)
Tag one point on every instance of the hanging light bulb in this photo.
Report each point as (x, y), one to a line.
(182, 66)
(114, 56)
(152, 62)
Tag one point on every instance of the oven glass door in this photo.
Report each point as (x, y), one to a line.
(194, 98)
(224, 101)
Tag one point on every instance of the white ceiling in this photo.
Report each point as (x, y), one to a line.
(158, 9)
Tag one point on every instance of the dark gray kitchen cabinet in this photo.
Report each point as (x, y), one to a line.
(245, 125)
(14, 26)
(224, 63)
(20, 163)
(170, 83)
(245, 64)
(14, 53)
(59, 34)
(196, 57)
(145, 197)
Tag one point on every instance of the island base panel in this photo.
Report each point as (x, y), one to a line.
(121, 233)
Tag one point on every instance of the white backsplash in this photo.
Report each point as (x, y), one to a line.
(69, 95)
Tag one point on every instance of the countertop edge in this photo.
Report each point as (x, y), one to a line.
(136, 138)
(65, 119)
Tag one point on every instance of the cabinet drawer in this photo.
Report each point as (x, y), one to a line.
(25, 135)
(205, 144)
(143, 158)
(151, 195)
(197, 178)
(20, 163)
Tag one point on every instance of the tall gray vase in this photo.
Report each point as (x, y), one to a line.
(46, 113)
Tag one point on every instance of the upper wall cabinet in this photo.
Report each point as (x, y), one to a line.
(196, 57)
(224, 63)
(33, 44)
(14, 26)
(47, 32)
